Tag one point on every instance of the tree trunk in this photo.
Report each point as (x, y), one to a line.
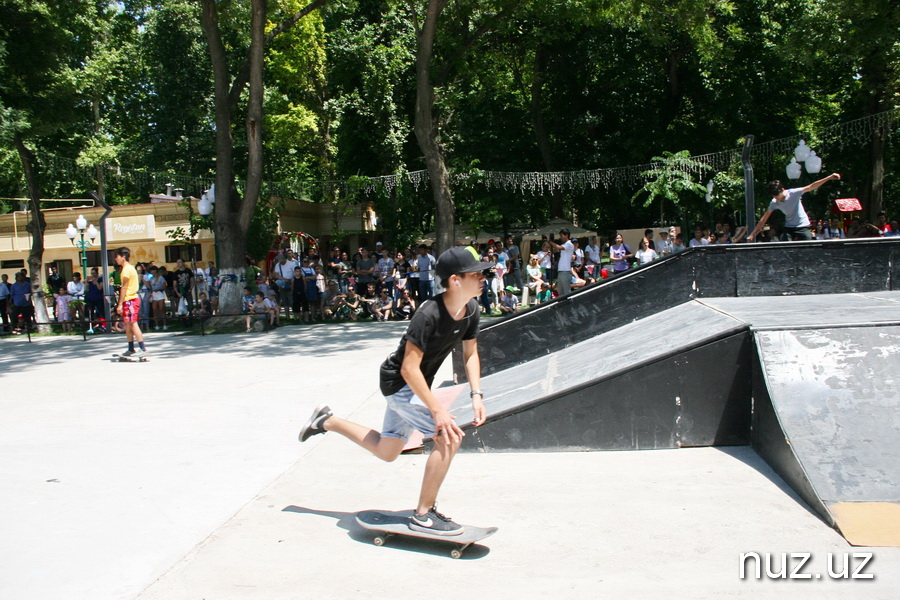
(875, 189)
(254, 115)
(426, 130)
(36, 229)
(233, 212)
(231, 243)
(540, 130)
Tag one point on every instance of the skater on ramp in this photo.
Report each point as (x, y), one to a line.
(796, 222)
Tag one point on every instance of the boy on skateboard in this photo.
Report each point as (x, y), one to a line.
(130, 304)
(406, 377)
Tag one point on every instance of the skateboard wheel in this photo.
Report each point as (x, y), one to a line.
(456, 553)
(378, 541)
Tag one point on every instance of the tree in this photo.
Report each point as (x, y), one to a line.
(234, 208)
(856, 43)
(426, 129)
(34, 102)
(671, 179)
(470, 22)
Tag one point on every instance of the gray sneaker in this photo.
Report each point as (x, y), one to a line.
(128, 354)
(435, 523)
(316, 423)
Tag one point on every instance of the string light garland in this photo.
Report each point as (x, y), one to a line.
(855, 132)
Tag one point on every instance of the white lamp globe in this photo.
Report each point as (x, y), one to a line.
(813, 163)
(801, 152)
(204, 207)
(92, 232)
(793, 170)
(81, 223)
(71, 232)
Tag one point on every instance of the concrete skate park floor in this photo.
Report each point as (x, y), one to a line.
(182, 478)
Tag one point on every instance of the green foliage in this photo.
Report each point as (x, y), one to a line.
(296, 98)
(549, 86)
(672, 179)
(371, 51)
(263, 230)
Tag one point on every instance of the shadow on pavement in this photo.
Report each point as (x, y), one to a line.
(326, 340)
(749, 457)
(347, 521)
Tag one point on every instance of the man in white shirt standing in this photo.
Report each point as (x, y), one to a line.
(283, 272)
(425, 262)
(564, 270)
(663, 246)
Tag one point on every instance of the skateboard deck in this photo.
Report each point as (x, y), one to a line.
(120, 358)
(388, 523)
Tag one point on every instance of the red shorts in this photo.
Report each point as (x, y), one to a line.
(130, 310)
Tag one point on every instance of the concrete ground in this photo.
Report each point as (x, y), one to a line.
(182, 478)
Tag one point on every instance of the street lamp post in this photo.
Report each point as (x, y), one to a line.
(78, 230)
(205, 208)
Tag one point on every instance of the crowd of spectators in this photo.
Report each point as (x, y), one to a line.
(381, 284)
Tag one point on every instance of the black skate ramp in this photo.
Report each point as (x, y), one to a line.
(632, 388)
(811, 381)
(827, 419)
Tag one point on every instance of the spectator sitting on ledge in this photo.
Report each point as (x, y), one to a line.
(509, 303)
(259, 311)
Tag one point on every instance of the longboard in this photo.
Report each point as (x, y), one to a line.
(387, 524)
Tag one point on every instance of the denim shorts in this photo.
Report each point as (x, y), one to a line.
(406, 413)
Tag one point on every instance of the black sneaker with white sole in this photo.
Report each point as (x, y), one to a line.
(316, 423)
(435, 523)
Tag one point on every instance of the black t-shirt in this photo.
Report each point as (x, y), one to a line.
(55, 282)
(185, 278)
(434, 331)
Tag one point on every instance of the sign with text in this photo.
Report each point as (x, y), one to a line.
(131, 229)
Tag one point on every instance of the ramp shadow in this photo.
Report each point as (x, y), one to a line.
(347, 522)
(749, 456)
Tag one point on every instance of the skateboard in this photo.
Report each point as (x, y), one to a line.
(387, 524)
(120, 358)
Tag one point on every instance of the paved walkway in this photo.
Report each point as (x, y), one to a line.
(182, 478)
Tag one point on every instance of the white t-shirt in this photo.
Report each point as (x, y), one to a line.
(76, 290)
(593, 254)
(579, 257)
(544, 260)
(200, 276)
(426, 267)
(794, 215)
(565, 256)
(646, 256)
(286, 270)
